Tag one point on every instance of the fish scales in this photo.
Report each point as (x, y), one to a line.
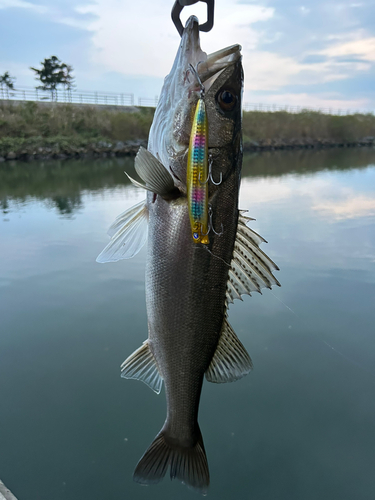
(188, 284)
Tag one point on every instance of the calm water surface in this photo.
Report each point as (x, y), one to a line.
(301, 426)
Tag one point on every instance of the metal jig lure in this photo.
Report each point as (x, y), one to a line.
(197, 193)
(199, 167)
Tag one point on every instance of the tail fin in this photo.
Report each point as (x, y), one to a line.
(188, 464)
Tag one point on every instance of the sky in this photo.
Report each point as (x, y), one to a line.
(317, 53)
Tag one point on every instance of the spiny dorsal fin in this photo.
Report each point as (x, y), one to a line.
(231, 360)
(141, 365)
(251, 269)
(153, 173)
(128, 235)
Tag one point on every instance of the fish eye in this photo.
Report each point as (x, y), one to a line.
(226, 100)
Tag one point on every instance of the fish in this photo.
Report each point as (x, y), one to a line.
(189, 284)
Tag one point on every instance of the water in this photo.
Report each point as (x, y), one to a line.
(300, 426)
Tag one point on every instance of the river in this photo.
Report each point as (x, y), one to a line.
(301, 426)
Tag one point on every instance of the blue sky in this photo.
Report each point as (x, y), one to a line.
(310, 53)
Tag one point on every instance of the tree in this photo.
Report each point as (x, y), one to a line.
(6, 81)
(54, 73)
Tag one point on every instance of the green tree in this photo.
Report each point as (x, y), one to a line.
(6, 82)
(54, 73)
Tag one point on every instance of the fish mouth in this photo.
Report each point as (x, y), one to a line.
(208, 66)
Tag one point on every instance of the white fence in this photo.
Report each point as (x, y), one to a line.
(127, 99)
(69, 96)
(252, 106)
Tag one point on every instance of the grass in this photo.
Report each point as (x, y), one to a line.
(306, 127)
(65, 127)
(29, 127)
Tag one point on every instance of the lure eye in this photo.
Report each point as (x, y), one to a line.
(226, 100)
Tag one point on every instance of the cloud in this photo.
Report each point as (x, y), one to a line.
(289, 49)
(119, 45)
(21, 4)
(304, 10)
(320, 101)
(119, 29)
(76, 17)
(363, 49)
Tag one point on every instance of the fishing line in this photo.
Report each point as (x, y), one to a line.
(216, 256)
(355, 363)
(283, 303)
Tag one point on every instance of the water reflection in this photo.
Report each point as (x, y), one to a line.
(302, 162)
(62, 182)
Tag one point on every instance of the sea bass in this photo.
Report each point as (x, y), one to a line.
(190, 285)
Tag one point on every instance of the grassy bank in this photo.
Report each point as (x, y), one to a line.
(308, 128)
(64, 129)
(30, 130)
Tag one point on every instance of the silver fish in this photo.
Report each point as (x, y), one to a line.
(189, 286)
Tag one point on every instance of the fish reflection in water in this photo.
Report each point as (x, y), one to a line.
(190, 284)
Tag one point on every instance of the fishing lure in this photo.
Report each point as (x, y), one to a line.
(197, 170)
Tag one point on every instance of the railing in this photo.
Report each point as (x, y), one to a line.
(127, 99)
(67, 96)
(249, 106)
(142, 101)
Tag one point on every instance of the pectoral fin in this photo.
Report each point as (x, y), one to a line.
(141, 365)
(231, 360)
(128, 232)
(154, 174)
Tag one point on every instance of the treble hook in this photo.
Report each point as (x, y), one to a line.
(209, 176)
(210, 225)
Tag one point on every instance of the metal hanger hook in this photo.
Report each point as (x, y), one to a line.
(180, 4)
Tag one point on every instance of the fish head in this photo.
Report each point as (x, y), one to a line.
(221, 75)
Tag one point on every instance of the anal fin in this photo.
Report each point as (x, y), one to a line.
(231, 360)
(141, 365)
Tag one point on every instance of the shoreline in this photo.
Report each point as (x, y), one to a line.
(34, 131)
(106, 149)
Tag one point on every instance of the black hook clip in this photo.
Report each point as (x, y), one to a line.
(180, 4)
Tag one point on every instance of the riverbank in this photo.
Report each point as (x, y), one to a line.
(32, 131)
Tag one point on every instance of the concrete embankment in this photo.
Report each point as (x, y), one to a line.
(100, 149)
(104, 149)
(275, 144)
(6, 494)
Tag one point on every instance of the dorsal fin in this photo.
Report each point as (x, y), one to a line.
(250, 269)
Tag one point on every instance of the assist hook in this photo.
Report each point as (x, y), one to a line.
(180, 4)
(210, 225)
(209, 176)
